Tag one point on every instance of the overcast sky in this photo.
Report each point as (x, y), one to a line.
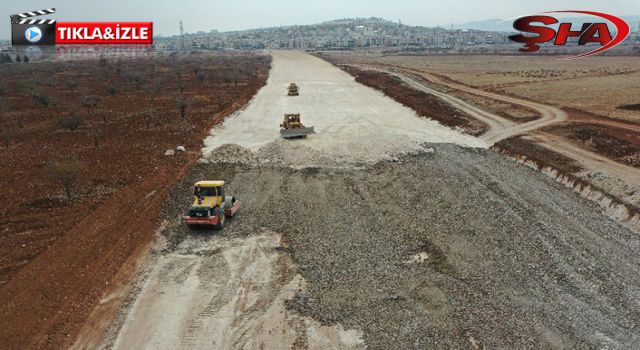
(227, 15)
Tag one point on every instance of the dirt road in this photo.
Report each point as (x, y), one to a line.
(620, 178)
(501, 127)
(405, 246)
(226, 293)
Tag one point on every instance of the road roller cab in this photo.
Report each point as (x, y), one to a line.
(211, 205)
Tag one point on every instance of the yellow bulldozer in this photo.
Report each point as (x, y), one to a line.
(292, 127)
(211, 205)
(294, 90)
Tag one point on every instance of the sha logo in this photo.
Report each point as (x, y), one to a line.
(539, 30)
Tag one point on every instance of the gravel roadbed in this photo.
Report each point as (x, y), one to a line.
(450, 248)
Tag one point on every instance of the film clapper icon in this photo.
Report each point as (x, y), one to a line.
(27, 31)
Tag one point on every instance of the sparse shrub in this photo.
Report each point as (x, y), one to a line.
(72, 84)
(71, 122)
(149, 146)
(66, 173)
(104, 117)
(180, 87)
(5, 58)
(96, 132)
(90, 102)
(112, 91)
(41, 98)
(155, 89)
(5, 135)
(55, 104)
(149, 116)
(182, 104)
(48, 81)
(136, 80)
(185, 129)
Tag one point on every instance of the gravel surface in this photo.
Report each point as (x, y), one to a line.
(455, 248)
(353, 123)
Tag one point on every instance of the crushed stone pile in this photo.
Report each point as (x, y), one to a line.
(232, 153)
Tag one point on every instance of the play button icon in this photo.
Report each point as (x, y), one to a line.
(33, 34)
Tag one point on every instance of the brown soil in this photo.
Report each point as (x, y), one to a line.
(424, 104)
(58, 256)
(582, 116)
(509, 111)
(631, 107)
(518, 146)
(621, 145)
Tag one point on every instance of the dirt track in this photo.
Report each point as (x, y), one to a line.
(408, 246)
(502, 128)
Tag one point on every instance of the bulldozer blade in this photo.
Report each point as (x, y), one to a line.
(294, 133)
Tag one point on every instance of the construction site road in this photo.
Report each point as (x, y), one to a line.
(500, 128)
(353, 123)
(437, 246)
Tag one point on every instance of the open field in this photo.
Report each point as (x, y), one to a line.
(595, 84)
(84, 173)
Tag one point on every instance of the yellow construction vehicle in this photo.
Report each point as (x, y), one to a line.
(292, 127)
(294, 90)
(211, 205)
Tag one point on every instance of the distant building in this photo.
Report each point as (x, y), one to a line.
(338, 34)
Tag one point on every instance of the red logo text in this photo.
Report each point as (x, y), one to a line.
(597, 32)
